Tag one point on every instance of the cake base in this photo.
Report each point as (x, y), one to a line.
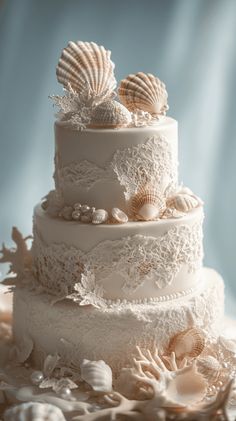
(111, 334)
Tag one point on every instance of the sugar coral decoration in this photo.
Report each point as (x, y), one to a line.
(87, 69)
(143, 91)
(20, 258)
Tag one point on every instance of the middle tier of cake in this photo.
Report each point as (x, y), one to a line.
(137, 261)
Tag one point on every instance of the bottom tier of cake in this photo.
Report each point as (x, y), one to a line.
(111, 334)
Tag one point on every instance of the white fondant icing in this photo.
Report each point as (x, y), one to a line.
(112, 334)
(132, 261)
(83, 161)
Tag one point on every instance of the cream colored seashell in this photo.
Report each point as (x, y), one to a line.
(209, 367)
(99, 216)
(85, 66)
(109, 115)
(147, 204)
(228, 344)
(119, 216)
(182, 202)
(34, 411)
(189, 343)
(143, 91)
(97, 374)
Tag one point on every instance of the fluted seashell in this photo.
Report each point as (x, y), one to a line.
(119, 216)
(34, 411)
(189, 343)
(182, 202)
(97, 374)
(109, 115)
(209, 367)
(143, 91)
(86, 66)
(99, 216)
(147, 204)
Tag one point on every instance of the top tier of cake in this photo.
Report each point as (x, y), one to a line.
(104, 168)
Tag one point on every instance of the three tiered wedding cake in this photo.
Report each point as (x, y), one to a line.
(116, 259)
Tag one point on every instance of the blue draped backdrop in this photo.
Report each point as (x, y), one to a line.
(190, 44)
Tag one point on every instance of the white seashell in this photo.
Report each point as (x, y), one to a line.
(182, 202)
(147, 204)
(85, 66)
(110, 114)
(189, 343)
(34, 411)
(209, 367)
(119, 216)
(172, 213)
(97, 374)
(99, 216)
(144, 92)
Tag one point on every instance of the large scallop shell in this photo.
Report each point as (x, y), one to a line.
(34, 411)
(182, 202)
(147, 204)
(209, 367)
(110, 114)
(85, 66)
(189, 343)
(144, 92)
(97, 374)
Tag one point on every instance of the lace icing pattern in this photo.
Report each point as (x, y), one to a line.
(149, 163)
(68, 271)
(152, 162)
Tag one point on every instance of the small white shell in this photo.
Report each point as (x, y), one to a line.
(209, 367)
(119, 216)
(34, 411)
(144, 92)
(97, 374)
(182, 202)
(99, 216)
(147, 204)
(85, 66)
(189, 343)
(110, 114)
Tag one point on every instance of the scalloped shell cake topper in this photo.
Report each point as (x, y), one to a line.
(86, 67)
(143, 91)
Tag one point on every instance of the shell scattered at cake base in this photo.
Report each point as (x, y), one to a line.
(144, 91)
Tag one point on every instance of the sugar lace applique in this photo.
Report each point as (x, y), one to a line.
(67, 271)
(150, 163)
(84, 174)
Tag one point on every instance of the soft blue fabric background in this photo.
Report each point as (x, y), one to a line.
(190, 44)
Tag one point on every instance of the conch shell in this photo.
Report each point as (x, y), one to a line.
(182, 202)
(97, 374)
(85, 66)
(147, 204)
(144, 92)
(110, 114)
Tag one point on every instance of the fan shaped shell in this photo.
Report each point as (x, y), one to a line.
(189, 343)
(34, 411)
(110, 114)
(97, 374)
(209, 367)
(182, 202)
(147, 204)
(86, 66)
(145, 92)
